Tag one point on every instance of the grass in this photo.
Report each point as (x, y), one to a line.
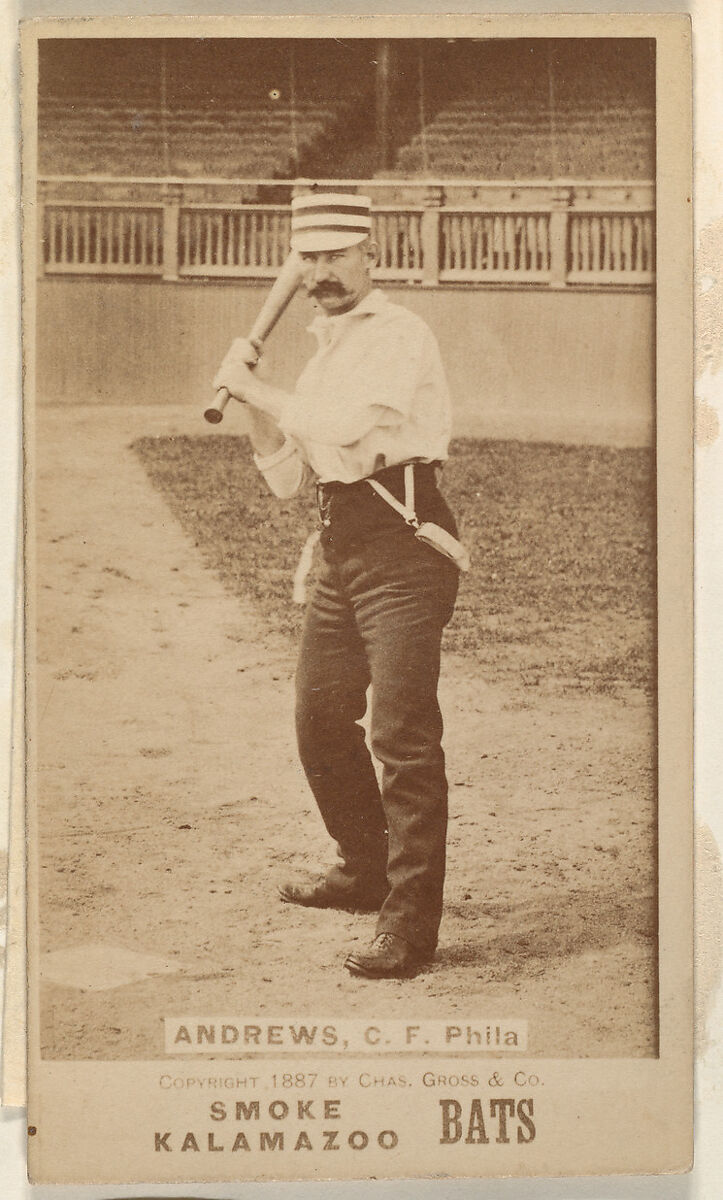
(562, 540)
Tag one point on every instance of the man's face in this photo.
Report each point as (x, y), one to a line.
(338, 279)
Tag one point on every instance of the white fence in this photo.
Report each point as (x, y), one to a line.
(610, 246)
(495, 246)
(241, 241)
(548, 235)
(103, 239)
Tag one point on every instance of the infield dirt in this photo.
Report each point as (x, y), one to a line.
(170, 802)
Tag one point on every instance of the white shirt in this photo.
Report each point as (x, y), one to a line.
(373, 395)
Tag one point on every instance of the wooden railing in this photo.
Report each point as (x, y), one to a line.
(553, 236)
(610, 246)
(103, 239)
(216, 240)
(494, 247)
(399, 233)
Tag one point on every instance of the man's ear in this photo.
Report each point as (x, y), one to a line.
(371, 252)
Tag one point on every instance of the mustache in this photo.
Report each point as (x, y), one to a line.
(327, 289)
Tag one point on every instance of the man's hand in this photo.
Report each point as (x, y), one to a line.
(235, 371)
(244, 384)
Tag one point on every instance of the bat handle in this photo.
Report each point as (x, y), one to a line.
(214, 412)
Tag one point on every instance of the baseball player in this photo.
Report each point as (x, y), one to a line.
(370, 418)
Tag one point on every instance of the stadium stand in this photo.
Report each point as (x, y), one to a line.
(475, 109)
(189, 108)
(523, 110)
(147, 141)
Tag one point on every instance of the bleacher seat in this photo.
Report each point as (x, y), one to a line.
(143, 106)
(81, 137)
(496, 109)
(553, 110)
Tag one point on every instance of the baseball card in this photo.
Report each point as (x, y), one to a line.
(358, 590)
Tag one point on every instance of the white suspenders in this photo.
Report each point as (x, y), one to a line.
(429, 533)
(407, 509)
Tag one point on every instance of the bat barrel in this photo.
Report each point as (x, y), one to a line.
(281, 292)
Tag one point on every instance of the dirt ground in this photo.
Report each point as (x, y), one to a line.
(171, 802)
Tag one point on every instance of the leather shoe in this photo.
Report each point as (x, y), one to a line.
(319, 893)
(388, 957)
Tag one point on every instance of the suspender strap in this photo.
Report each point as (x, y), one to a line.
(405, 510)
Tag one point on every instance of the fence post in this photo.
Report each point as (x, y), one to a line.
(42, 192)
(171, 221)
(430, 229)
(560, 203)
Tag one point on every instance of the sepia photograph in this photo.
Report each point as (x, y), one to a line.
(343, 606)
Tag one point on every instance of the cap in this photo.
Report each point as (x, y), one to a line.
(329, 220)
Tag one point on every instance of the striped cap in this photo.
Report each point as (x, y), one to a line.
(329, 220)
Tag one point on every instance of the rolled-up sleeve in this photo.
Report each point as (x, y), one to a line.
(283, 470)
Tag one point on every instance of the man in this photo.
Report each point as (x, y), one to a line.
(372, 400)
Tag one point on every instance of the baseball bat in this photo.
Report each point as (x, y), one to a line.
(278, 299)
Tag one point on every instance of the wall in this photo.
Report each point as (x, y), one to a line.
(547, 365)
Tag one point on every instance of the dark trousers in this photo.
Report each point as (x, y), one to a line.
(376, 617)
